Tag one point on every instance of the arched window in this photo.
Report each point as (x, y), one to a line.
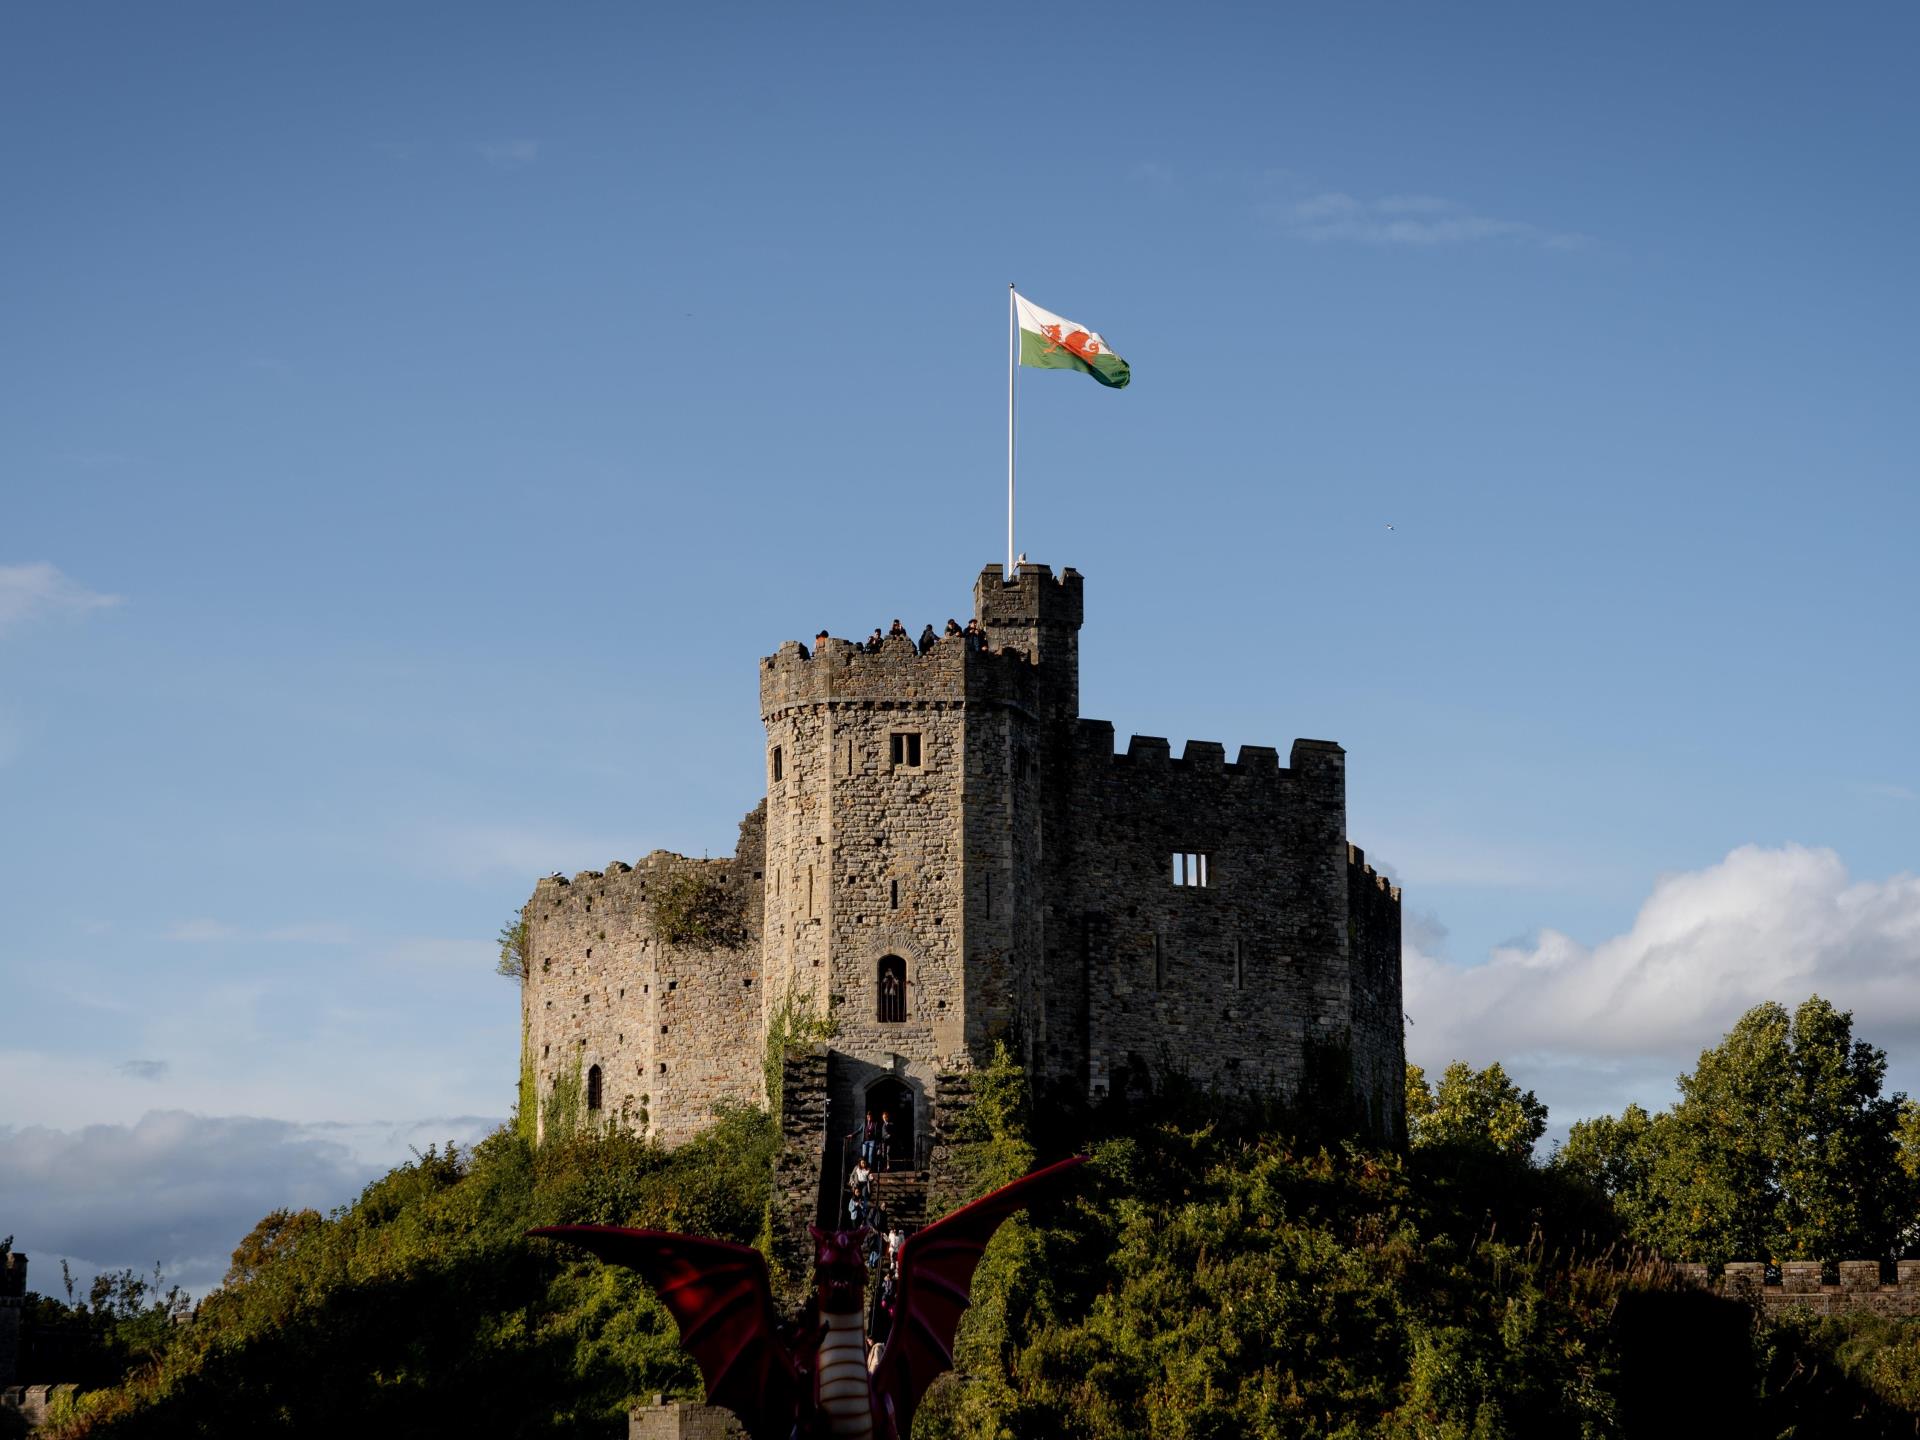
(593, 1087)
(892, 990)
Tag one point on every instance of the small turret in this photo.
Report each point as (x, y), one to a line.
(1039, 615)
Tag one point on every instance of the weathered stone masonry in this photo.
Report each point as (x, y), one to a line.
(950, 820)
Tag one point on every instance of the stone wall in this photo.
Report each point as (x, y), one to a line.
(13, 1289)
(799, 1177)
(33, 1401)
(1379, 1029)
(1232, 983)
(665, 1419)
(672, 1029)
(1798, 1285)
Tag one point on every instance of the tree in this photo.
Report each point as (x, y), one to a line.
(513, 949)
(1614, 1155)
(1781, 1147)
(1477, 1109)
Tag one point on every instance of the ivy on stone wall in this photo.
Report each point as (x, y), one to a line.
(563, 1115)
(699, 910)
(526, 1110)
(794, 1023)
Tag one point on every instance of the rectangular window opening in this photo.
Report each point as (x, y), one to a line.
(777, 771)
(906, 749)
(895, 887)
(1190, 868)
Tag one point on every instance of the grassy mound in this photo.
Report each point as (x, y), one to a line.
(422, 1309)
(1209, 1278)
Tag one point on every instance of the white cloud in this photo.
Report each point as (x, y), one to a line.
(1411, 220)
(1888, 792)
(521, 851)
(40, 591)
(182, 1189)
(208, 932)
(145, 1069)
(508, 154)
(1763, 924)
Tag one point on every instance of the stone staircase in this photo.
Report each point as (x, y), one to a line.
(903, 1195)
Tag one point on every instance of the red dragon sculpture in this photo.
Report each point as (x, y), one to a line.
(812, 1382)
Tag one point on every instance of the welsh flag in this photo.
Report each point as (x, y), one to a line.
(1049, 343)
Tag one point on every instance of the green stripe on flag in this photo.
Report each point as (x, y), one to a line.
(1039, 353)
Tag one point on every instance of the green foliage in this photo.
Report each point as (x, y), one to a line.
(1474, 1109)
(1781, 1147)
(125, 1320)
(513, 960)
(424, 1309)
(1907, 1134)
(526, 1106)
(990, 1145)
(1210, 1277)
(1214, 1280)
(695, 907)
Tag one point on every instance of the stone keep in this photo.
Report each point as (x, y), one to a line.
(948, 820)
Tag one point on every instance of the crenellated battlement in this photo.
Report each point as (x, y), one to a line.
(1368, 878)
(1207, 757)
(842, 673)
(1860, 1285)
(1032, 597)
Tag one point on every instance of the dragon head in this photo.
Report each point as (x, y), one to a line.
(838, 1269)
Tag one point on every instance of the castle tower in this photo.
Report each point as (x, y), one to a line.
(904, 836)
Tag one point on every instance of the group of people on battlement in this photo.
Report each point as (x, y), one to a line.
(972, 632)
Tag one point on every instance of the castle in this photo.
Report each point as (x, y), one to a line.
(949, 855)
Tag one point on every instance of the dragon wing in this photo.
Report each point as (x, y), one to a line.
(718, 1294)
(936, 1280)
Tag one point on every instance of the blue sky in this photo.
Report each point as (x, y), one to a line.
(414, 423)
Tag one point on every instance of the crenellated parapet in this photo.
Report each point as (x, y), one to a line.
(841, 673)
(1310, 760)
(1861, 1286)
(1362, 877)
(1033, 596)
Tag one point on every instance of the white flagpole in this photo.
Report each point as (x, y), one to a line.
(1013, 360)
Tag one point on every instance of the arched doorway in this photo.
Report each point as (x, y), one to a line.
(894, 1098)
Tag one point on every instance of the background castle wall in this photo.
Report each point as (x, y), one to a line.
(1859, 1291)
(1379, 1028)
(674, 1030)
